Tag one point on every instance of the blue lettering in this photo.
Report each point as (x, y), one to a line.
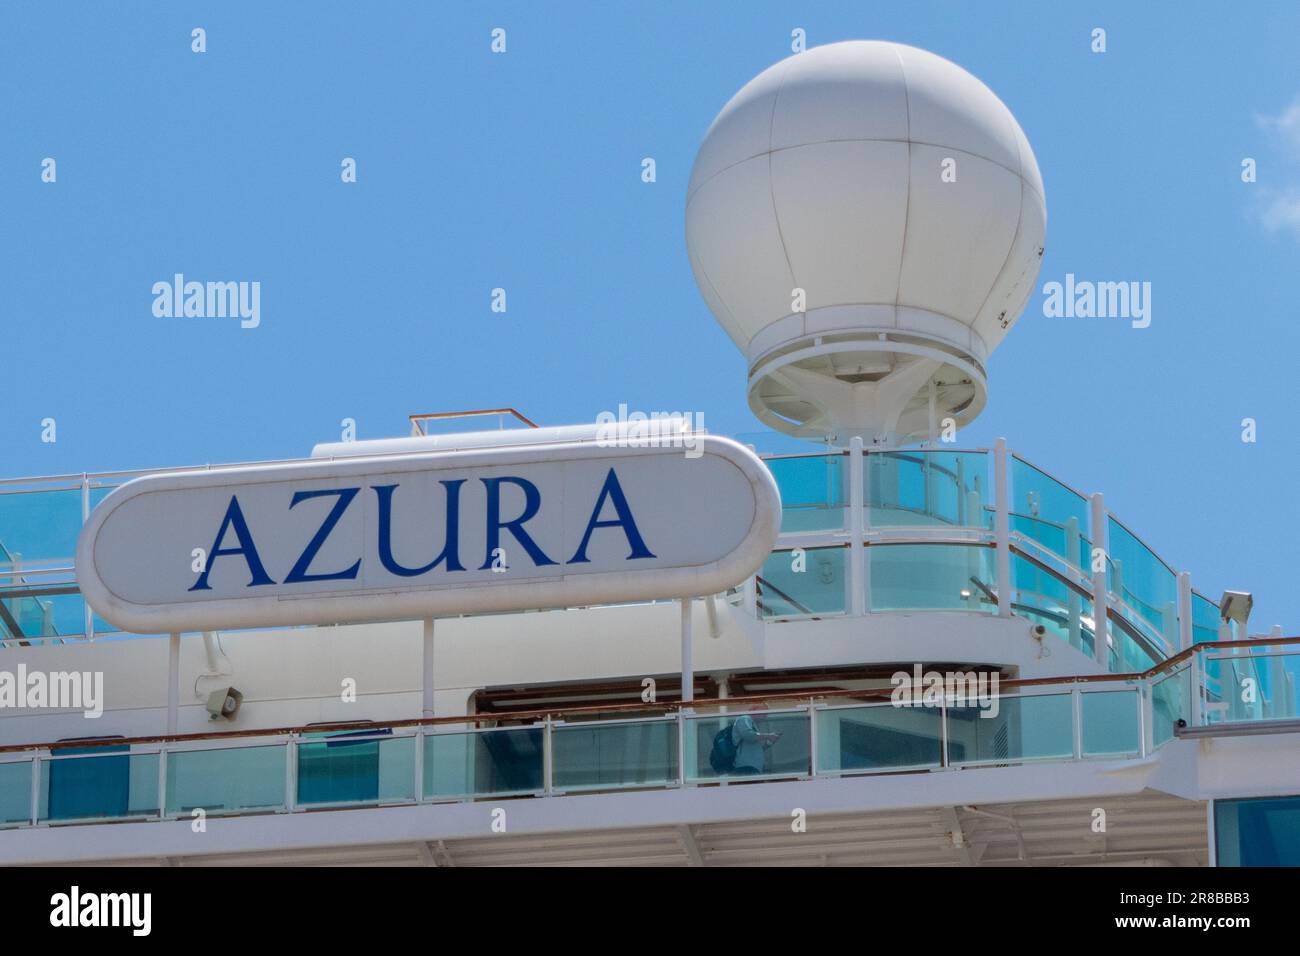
(614, 492)
(450, 551)
(299, 572)
(532, 501)
(234, 519)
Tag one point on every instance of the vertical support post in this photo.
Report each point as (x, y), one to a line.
(85, 513)
(1100, 600)
(1002, 527)
(812, 736)
(681, 748)
(418, 768)
(290, 773)
(162, 781)
(1184, 610)
(173, 682)
(1074, 604)
(1076, 711)
(688, 663)
(36, 789)
(548, 756)
(1194, 679)
(427, 697)
(857, 528)
(1279, 698)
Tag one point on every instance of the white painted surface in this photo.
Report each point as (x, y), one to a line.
(703, 524)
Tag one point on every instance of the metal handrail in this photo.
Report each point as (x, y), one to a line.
(657, 707)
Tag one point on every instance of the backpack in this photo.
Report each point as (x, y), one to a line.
(722, 756)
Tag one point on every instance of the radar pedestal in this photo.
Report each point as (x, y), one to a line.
(866, 221)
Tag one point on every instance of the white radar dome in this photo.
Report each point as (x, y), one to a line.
(866, 221)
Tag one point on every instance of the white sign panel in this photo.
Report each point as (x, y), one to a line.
(418, 535)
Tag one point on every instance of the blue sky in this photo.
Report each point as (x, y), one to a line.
(522, 171)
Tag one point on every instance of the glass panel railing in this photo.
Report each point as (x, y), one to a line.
(356, 767)
(769, 744)
(928, 488)
(487, 763)
(245, 779)
(873, 738)
(812, 492)
(1019, 728)
(39, 525)
(1045, 599)
(15, 792)
(803, 583)
(1111, 723)
(613, 755)
(934, 577)
(1205, 619)
(1063, 543)
(1169, 704)
(1049, 512)
(1260, 685)
(1257, 831)
(1144, 583)
(1129, 656)
(31, 610)
(98, 783)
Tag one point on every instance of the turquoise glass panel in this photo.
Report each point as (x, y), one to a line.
(40, 614)
(503, 762)
(1045, 599)
(226, 780)
(39, 525)
(614, 755)
(927, 488)
(1169, 703)
(1263, 831)
(878, 737)
(78, 786)
(942, 577)
(1110, 723)
(356, 768)
(789, 756)
(812, 492)
(1205, 619)
(15, 792)
(1144, 582)
(1049, 507)
(803, 584)
(1021, 728)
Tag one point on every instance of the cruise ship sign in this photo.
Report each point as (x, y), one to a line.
(430, 534)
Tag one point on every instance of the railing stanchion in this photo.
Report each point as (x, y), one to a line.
(290, 773)
(36, 790)
(681, 748)
(943, 730)
(419, 765)
(1100, 600)
(162, 782)
(1195, 675)
(548, 756)
(1002, 527)
(1076, 709)
(858, 583)
(812, 734)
